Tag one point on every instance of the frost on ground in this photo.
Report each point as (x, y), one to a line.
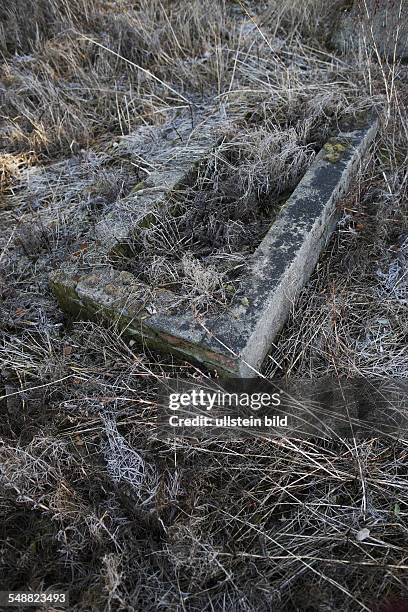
(394, 281)
(90, 499)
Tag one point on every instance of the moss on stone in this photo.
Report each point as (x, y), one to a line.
(334, 150)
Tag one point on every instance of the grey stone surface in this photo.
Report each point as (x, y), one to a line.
(236, 341)
(169, 155)
(364, 22)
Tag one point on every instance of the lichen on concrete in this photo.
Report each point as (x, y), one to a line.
(334, 150)
(236, 341)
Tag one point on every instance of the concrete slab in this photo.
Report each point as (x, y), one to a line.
(236, 341)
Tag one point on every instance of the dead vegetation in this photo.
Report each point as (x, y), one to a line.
(196, 244)
(91, 501)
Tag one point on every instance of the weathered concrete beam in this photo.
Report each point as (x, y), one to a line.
(171, 159)
(236, 341)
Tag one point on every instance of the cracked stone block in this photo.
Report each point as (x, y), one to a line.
(236, 340)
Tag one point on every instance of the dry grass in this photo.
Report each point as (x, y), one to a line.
(199, 239)
(91, 500)
(105, 72)
(353, 314)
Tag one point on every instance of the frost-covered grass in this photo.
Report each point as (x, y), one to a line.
(90, 500)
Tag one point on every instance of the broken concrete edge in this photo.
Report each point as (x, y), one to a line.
(89, 296)
(234, 342)
(113, 232)
(117, 231)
